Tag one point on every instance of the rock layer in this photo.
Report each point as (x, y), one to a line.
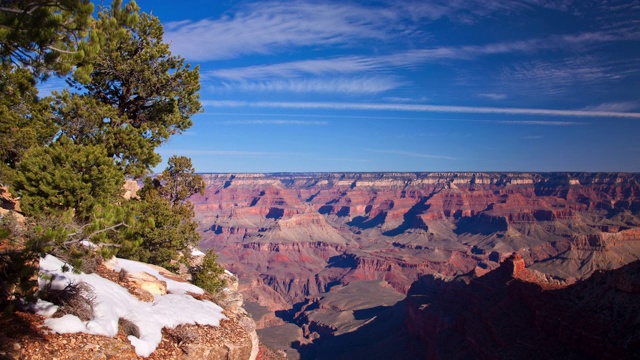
(289, 236)
(513, 312)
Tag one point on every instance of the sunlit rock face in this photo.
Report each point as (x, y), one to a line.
(290, 236)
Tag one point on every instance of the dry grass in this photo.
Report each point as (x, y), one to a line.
(183, 335)
(128, 327)
(76, 299)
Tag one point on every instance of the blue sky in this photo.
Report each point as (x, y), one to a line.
(497, 85)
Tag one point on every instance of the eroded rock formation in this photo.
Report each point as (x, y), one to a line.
(289, 236)
(514, 313)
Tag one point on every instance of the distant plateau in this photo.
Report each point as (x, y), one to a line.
(337, 264)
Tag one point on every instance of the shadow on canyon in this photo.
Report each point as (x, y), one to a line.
(509, 313)
(503, 316)
(384, 337)
(364, 222)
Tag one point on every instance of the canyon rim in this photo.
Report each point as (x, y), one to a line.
(325, 260)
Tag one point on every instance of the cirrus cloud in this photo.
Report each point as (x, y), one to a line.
(420, 108)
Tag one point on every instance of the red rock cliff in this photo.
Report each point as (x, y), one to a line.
(292, 235)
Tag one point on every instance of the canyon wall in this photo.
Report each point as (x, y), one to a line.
(289, 236)
(513, 313)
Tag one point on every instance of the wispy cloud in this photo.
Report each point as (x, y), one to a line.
(420, 108)
(331, 66)
(358, 85)
(614, 106)
(618, 15)
(560, 76)
(194, 152)
(411, 154)
(469, 52)
(534, 122)
(268, 27)
(458, 11)
(330, 75)
(406, 99)
(263, 27)
(357, 64)
(276, 122)
(493, 96)
(394, 118)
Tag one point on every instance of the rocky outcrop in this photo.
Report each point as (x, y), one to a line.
(10, 205)
(30, 336)
(7, 201)
(130, 188)
(236, 338)
(232, 301)
(291, 237)
(513, 312)
(344, 309)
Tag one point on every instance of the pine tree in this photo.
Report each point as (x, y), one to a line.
(67, 156)
(25, 121)
(179, 180)
(208, 275)
(64, 176)
(46, 36)
(138, 94)
(165, 217)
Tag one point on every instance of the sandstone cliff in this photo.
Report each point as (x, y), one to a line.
(513, 312)
(289, 236)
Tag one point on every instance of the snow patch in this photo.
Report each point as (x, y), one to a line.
(175, 287)
(44, 308)
(114, 302)
(88, 244)
(66, 324)
(196, 252)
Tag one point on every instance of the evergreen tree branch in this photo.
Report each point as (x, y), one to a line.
(97, 232)
(61, 50)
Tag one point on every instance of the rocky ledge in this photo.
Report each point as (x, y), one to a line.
(26, 335)
(513, 312)
(289, 236)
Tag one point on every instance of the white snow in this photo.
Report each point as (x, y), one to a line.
(66, 324)
(88, 244)
(175, 287)
(114, 302)
(45, 308)
(196, 252)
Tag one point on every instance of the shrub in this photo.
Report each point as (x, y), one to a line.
(128, 327)
(77, 299)
(208, 275)
(184, 334)
(18, 266)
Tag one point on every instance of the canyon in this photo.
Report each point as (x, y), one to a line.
(515, 313)
(324, 255)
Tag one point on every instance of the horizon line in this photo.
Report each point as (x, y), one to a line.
(422, 172)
